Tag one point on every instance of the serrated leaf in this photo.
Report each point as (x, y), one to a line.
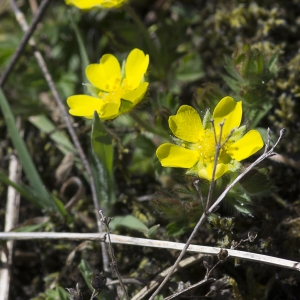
(231, 82)
(176, 228)
(255, 182)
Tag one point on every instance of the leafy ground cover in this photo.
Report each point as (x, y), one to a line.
(200, 52)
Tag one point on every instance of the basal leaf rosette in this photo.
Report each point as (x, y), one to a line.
(114, 90)
(88, 4)
(195, 141)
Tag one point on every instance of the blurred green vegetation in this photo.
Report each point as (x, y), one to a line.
(199, 52)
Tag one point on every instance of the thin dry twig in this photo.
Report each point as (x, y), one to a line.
(11, 220)
(28, 33)
(126, 240)
(267, 153)
(114, 262)
(22, 21)
(155, 282)
(218, 149)
(202, 282)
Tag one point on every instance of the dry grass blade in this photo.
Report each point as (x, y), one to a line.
(11, 217)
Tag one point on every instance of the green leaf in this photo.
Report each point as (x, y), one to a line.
(103, 154)
(152, 231)
(31, 228)
(83, 53)
(256, 115)
(231, 82)
(25, 191)
(58, 294)
(190, 68)
(86, 272)
(61, 208)
(176, 228)
(45, 125)
(29, 168)
(146, 145)
(256, 182)
(129, 222)
(272, 63)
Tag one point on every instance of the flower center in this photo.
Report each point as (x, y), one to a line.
(206, 147)
(116, 91)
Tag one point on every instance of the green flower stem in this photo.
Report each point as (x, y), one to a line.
(148, 126)
(154, 53)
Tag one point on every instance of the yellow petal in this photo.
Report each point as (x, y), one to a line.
(136, 66)
(84, 106)
(106, 76)
(83, 4)
(136, 95)
(229, 112)
(206, 173)
(249, 144)
(109, 111)
(87, 4)
(112, 3)
(186, 124)
(175, 156)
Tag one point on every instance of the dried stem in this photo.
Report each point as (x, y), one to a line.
(11, 220)
(195, 183)
(22, 21)
(267, 153)
(114, 263)
(218, 149)
(127, 240)
(29, 32)
(202, 282)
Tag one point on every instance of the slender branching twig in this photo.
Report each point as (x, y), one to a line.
(196, 186)
(267, 153)
(25, 39)
(113, 263)
(202, 282)
(218, 142)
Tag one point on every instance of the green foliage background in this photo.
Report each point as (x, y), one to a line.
(199, 52)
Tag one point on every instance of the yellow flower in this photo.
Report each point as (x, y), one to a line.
(88, 4)
(196, 141)
(114, 91)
